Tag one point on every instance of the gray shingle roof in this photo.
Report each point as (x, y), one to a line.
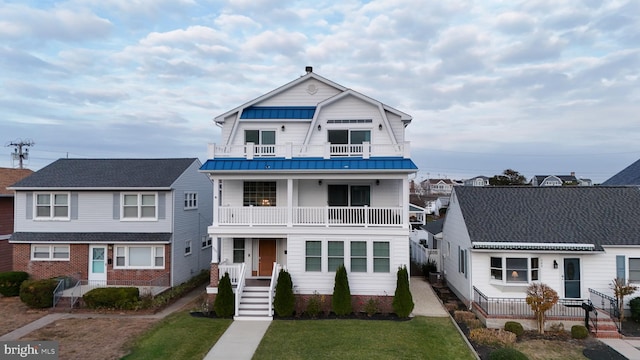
(107, 173)
(100, 237)
(557, 215)
(434, 227)
(627, 177)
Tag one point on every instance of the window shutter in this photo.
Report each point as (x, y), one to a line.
(620, 268)
(466, 264)
(161, 206)
(29, 206)
(116, 206)
(74, 206)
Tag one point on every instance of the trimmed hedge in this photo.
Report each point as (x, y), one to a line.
(224, 304)
(579, 332)
(124, 298)
(514, 327)
(10, 282)
(634, 305)
(341, 299)
(507, 354)
(402, 299)
(38, 294)
(284, 302)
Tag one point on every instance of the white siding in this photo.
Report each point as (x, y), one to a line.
(455, 235)
(294, 131)
(299, 96)
(95, 214)
(191, 224)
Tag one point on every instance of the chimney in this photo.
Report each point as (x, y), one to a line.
(308, 69)
(573, 173)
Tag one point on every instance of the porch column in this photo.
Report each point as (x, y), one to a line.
(289, 202)
(216, 201)
(405, 202)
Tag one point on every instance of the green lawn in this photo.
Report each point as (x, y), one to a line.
(179, 336)
(419, 338)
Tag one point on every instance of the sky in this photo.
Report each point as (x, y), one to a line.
(540, 86)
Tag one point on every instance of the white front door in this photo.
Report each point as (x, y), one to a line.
(97, 265)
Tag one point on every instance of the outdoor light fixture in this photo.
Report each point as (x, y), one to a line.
(319, 127)
(319, 182)
(555, 264)
(377, 182)
(282, 128)
(380, 127)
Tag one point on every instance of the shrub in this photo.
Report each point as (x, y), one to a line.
(514, 327)
(541, 297)
(557, 327)
(429, 267)
(507, 354)
(38, 293)
(224, 305)
(462, 316)
(634, 305)
(10, 282)
(579, 332)
(341, 300)
(402, 300)
(492, 337)
(314, 305)
(284, 302)
(124, 298)
(371, 307)
(473, 323)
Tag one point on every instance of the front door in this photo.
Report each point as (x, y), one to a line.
(97, 265)
(267, 256)
(572, 278)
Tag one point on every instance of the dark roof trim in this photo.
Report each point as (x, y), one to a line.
(534, 246)
(89, 238)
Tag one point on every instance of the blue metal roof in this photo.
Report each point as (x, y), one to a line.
(278, 112)
(309, 163)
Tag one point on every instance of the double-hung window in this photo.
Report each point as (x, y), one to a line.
(52, 206)
(139, 257)
(313, 256)
(187, 247)
(140, 206)
(49, 252)
(634, 270)
(381, 257)
(358, 256)
(238, 251)
(190, 200)
(335, 254)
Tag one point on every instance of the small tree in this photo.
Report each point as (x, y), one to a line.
(284, 302)
(541, 297)
(402, 299)
(620, 290)
(224, 305)
(341, 300)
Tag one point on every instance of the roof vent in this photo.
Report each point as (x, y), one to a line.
(308, 69)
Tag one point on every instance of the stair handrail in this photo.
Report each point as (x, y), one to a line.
(272, 285)
(57, 292)
(239, 289)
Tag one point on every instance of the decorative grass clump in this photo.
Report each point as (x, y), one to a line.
(514, 327)
(579, 332)
(492, 337)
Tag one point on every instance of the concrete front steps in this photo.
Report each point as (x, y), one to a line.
(254, 304)
(606, 329)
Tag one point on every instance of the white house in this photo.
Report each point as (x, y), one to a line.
(139, 222)
(309, 176)
(499, 240)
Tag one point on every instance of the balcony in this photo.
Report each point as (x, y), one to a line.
(326, 151)
(310, 216)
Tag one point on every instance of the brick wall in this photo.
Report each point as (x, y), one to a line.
(215, 275)
(78, 265)
(6, 215)
(6, 256)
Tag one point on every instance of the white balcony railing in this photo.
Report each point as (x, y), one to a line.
(311, 216)
(289, 150)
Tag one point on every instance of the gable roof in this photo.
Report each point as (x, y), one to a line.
(551, 215)
(629, 176)
(107, 174)
(434, 227)
(8, 177)
(563, 178)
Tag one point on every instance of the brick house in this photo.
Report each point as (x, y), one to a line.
(8, 176)
(114, 221)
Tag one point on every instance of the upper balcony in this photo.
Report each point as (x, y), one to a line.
(326, 151)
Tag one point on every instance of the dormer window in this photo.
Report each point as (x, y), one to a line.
(348, 142)
(263, 140)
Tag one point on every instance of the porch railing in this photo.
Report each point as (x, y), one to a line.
(272, 285)
(365, 150)
(57, 292)
(606, 303)
(328, 216)
(233, 270)
(239, 289)
(518, 307)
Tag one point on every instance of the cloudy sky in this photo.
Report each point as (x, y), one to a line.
(541, 86)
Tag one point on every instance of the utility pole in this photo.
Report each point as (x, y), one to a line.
(18, 152)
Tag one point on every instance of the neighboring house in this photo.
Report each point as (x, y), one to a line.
(498, 240)
(477, 181)
(310, 176)
(629, 176)
(7, 177)
(438, 186)
(433, 204)
(417, 216)
(559, 180)
(114, 221)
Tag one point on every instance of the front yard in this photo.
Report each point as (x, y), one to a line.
(16, 314)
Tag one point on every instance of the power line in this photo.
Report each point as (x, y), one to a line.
(18, 153)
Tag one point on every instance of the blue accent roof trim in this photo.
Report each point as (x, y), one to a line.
(279, 112)
(310, 163)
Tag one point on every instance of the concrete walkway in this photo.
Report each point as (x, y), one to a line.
(50, 318)
(239, 341)
(626, 347)
(425, 299)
